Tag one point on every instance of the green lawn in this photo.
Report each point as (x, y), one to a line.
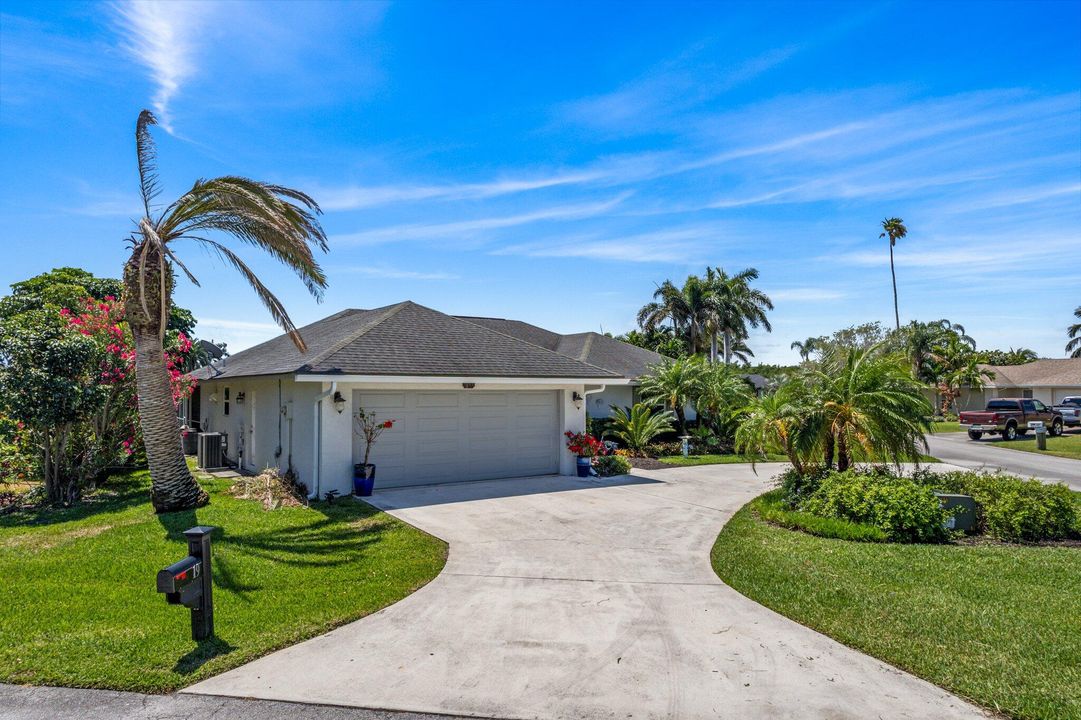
(998, 624)
(1067, 446)
(80, 607)
(947, 427)
(715, 459)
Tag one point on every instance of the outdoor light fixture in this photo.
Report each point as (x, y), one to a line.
(214, 398)
(339, 402)
(577, 400)
(469, 386)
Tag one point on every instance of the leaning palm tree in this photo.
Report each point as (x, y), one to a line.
(1074, 332)
(894, 229)
(674, 382)
(737, 305)
(276, 219)
(805, 348)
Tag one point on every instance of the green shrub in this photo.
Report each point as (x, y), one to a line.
(771, 507)
(796, 487)
(1010, 508)
(664, 449)
(906, 511)
(607, 465)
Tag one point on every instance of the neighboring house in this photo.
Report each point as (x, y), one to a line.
(1047, 380)
(474, 398)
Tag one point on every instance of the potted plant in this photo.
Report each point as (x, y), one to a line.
(586, 447)
(367, 425)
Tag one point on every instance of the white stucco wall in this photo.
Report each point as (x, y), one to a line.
(599, 404)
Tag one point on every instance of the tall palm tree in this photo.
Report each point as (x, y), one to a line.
(688, 309)
(276, 219)
(674, 382)
(894, 229)
(737, 305)
(805, 348)
(1074, 332)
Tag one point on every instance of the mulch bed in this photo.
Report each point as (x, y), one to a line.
(649, 464)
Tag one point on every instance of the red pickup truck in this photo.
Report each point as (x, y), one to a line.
(1011, 417)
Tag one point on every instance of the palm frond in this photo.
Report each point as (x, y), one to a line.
(147, 155)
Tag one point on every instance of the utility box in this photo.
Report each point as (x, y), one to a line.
(962, 509)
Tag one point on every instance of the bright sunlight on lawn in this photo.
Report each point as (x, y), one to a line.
(999, 624)
(1067, 446)
(80, 604)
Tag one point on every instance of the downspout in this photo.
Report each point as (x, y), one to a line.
(318, 439)
(587, 393)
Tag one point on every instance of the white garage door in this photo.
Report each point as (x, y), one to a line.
(454, 436)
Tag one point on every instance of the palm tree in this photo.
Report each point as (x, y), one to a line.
(721, 392)
(688, 309)
(869, 400)
(782, 421)
(805, 348)
(894, 229)
(1074, 332)
(637, 428)
(277, 219)
(736, 306)
(674, 382)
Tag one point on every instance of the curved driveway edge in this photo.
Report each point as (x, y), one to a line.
(592, 598)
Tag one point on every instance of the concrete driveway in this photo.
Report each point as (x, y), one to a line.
(994, 454)
(567, 598)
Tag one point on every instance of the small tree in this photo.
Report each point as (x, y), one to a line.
(674, 382)
(637, 428)
(369, 427)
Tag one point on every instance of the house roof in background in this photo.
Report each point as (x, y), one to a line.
(628, 360)
(403, 339)
(1040, 373)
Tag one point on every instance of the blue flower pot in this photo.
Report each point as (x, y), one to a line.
(363, 480)
(584, 466)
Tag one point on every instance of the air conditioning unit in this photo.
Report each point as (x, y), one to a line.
(211, 451)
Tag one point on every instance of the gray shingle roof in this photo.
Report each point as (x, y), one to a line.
(628, 360)
(404, 339)
(1040, 373)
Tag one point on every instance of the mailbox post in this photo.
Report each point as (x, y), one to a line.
(188, 582)
(1041, 433)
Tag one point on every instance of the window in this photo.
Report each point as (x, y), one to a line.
(225, 406)
(1028, 406)
(1040, 407)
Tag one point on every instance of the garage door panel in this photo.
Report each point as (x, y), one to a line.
(448, 436)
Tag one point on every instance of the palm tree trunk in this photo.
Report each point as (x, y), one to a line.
(727, 347)
(827, 451)
(682, 419)
(713, 347)
(172, 485)
(843, 460)
(893, 274)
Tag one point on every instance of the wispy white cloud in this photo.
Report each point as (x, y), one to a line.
(228, 324)
(466, 228)
(676, 245)
(805, 294)
(389, 273)
(161, 36)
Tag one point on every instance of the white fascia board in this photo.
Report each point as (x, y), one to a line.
(449, 380)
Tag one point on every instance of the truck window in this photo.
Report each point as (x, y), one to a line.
(1028, 406)
(1040, 407)
(1002, 405)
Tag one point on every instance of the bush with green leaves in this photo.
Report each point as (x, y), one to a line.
(903, 509)
(638, 427)
(1010, 508)
(608, 465)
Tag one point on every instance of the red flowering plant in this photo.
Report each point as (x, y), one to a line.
(370, 427)
(585, 445)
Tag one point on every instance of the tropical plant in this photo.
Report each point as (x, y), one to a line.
(279, 220)
(721, 392)
(674, 382)
(661, 339)
(894, 229)
(868, 399)
(782, 421)
(688, 309)
(370, 427)
(609, 465)
(637, 428)
(735, 307)
(1074, 333)
(1013, 356)
(805, 348)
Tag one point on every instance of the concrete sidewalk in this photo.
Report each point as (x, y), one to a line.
(585, 598)
(48, 703)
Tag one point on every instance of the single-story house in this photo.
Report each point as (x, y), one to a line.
(473, 398)
(1047, 380)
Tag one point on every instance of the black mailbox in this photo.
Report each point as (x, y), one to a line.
(187, 582)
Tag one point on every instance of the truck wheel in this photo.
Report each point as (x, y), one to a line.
(974, 434)
(1056, 429)
(1010, 433)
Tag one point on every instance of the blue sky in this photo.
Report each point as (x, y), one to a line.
(554, 162)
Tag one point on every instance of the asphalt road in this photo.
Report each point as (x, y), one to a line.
(48, 703)
(957, 449)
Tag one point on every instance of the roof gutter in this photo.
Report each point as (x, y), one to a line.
(457, 380)
(318, 439)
